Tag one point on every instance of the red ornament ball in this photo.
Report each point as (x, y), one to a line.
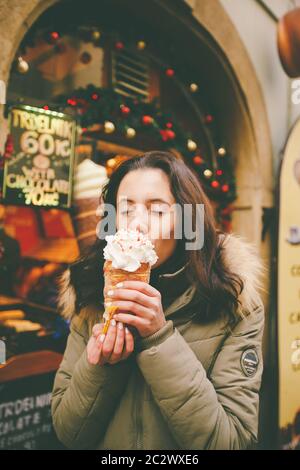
(170, 73)
(147, 120)
(171, 134)
(119, 45)
(72, 102)
(95, 97)
(209, 118)
(169, 125)
(125, 110)
(54, 36)
(164, 135)
(197, 160)
(225, 188)
(215, 184)
(219, 172)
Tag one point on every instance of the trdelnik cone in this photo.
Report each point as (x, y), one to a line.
(129, 255)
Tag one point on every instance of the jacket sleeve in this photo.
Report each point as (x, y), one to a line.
(84, 396)
(219, 412)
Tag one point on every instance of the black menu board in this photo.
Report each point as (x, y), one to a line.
(25, 414)
(39, 170)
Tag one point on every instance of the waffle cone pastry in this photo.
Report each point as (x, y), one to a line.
(131, 257)
(112, 276)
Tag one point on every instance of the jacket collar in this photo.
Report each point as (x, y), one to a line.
(171, 283)
(239, 255)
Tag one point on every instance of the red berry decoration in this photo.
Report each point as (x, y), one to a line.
(209, 118)
(197, 160)
(125, 110)
(72, 102)
(171, 134)
(53, 37)
(170, 73)
(164, 135)
(147, 120)
(215, 184)
(119, 45)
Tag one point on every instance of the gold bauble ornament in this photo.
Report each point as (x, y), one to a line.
(193, 87)
(221, 151)
(96, 35)
(130, 133)
(22, 66)
(207, 173)
(191, 145)
(141, 45)
(109, 127)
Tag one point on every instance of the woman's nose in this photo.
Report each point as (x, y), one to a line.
(139, 224)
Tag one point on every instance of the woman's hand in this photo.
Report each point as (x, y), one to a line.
(115, 346)
(141, 304)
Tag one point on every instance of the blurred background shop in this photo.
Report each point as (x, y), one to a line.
(91, 83)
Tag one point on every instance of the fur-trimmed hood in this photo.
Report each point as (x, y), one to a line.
(240, 257)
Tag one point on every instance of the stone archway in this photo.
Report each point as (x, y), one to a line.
(245, 125)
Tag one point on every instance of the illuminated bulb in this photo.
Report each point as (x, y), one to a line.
(207, 173)
(22, 66)
(193, 87)
(191, 144)
(109, 127)
(130, 133)
(221, 151)
(96, 35)
(141, 45)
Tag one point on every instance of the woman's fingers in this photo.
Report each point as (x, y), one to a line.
(129, 344)
(131, 295)
(116, 355)
(115, 346)
(109, 340)
(97, 329)
(140, 286)
(129, 306)
(93, 351)
(133, 320)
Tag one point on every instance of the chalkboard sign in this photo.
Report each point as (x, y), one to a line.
(25, 414)
(40, 169)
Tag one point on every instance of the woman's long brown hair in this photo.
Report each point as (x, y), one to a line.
(219, 288)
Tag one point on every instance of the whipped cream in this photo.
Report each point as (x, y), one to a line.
(127, 249)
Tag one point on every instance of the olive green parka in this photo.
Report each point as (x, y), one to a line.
(191, 385)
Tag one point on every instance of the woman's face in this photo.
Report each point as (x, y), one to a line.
(144, 203)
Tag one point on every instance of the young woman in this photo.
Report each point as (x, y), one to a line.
(191, 377)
